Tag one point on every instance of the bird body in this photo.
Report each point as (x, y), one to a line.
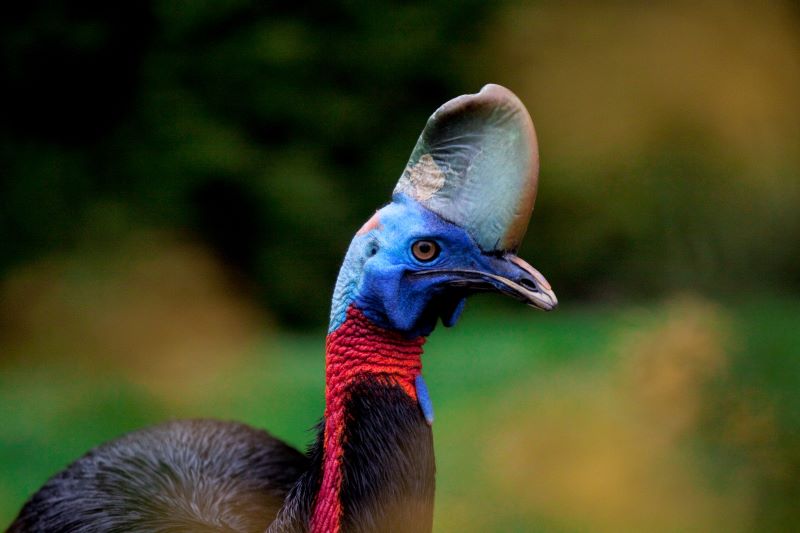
(189, 475)
(456, 218)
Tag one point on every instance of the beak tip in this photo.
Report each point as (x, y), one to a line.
(550, 303)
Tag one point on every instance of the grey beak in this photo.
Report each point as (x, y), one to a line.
(507, 275)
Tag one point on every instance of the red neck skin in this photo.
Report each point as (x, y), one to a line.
(357, 349)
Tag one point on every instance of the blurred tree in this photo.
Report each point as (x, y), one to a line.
(670, 143)
(268, 130)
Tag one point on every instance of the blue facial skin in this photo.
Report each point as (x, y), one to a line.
(378, 271)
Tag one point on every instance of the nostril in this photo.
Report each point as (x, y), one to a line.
(529, 284)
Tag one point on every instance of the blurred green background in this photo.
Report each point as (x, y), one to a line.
(179, 181)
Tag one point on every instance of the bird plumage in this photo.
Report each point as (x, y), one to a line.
(456, 218)
(189, 475)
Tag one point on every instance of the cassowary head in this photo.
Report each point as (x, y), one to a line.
(457, 217)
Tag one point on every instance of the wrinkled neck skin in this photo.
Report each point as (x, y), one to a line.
(372, 464)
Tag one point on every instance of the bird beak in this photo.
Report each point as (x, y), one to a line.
(507, 274)
(525, 284)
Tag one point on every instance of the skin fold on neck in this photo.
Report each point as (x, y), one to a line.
(366, 363)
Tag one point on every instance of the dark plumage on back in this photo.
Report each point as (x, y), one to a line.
(191, 475)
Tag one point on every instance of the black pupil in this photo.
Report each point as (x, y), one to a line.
(425, 248)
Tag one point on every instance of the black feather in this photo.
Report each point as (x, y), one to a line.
(192, 475)
(389, 470)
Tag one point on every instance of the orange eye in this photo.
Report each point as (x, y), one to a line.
(425, 250)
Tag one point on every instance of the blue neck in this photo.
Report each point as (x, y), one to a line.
(346, 287)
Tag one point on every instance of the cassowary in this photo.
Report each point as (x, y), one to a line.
(457, 216)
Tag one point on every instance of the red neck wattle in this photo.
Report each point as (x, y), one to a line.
(358, 349)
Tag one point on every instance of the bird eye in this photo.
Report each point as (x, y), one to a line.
(425, 250)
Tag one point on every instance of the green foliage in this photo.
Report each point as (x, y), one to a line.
(530, 412)
(268, 131)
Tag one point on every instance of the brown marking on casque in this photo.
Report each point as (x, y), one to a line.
(423, 180)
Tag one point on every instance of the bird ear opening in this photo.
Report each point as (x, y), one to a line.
(476, 164)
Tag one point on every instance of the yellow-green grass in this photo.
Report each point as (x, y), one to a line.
(663, 417)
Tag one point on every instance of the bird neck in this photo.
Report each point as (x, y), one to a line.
(376, 448)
